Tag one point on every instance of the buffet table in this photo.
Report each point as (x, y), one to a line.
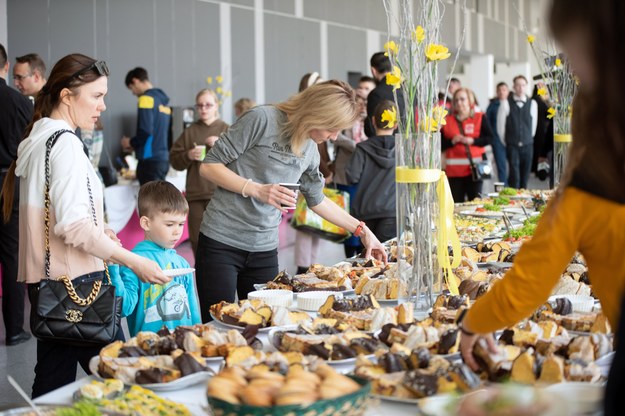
(194, 397)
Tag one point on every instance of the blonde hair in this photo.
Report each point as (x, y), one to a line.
(209, 92)
(244, 104)
(329, 105)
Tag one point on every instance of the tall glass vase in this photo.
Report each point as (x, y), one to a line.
(418, 160)
(561, 142)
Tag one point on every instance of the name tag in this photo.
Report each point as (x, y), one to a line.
(469, 128)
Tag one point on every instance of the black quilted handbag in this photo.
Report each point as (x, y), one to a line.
(84, 314)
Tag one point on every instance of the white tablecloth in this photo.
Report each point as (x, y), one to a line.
(121, 199)
(194, 397)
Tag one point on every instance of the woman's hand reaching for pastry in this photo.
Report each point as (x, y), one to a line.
(467, 342)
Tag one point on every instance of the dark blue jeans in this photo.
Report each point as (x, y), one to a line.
(499, 152)
(220, 270)
(520, 163)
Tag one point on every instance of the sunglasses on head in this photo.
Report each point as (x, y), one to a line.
(98, 67)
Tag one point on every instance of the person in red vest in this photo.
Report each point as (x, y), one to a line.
(466, 131)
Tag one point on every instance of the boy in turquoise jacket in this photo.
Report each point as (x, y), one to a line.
(162, 212)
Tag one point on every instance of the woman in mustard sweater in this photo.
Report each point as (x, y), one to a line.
(587, 214)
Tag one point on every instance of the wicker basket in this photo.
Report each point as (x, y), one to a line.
(352, 404)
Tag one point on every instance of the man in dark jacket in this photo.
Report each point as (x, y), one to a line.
(380, 66)
(372, 167)
(16, 111)
(151, 143)
(499, 147)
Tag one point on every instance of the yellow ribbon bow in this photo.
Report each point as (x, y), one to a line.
(446, 227)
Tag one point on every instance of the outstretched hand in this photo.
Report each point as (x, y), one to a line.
(467, 342)
(373, 247)
(149, 271)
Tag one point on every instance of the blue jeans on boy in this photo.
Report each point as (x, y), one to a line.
(520, 162)
(499, 152)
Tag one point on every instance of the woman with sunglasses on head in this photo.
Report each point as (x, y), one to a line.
(189, 150)
(268, 145)
(79, 240)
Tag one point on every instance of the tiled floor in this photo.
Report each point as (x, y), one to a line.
(19, 361)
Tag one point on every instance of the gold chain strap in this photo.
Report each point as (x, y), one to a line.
(95, 290)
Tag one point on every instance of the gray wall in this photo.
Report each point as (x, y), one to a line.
(181, 42)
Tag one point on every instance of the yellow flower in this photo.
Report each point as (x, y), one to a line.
(394, 78)
(542, 92)
(209, 80)
(219, 79)
(391, 47)
(218, 90)
(551, 112)
(558, 62)
(390, 116)
(227, 94)
(531, 39)
(419, 34)
(438, 114)
(436, 52)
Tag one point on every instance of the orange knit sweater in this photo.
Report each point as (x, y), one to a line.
(581, 222)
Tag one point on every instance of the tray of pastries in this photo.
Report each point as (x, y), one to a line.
(560, 311)
(326, 338)
(168, 360)
(255, 312)
(317, 277)
(384, 286)
(438, 338)
(407, 377)
(363, 312)
(263, 390)
(550, 361)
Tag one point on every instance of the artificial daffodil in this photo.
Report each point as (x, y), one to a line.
(209, 80)
(394, 78)
(219, 79)
(542, 92)
(390, 116)
(551, 112)
(531, 39)
(436, 52)
(558, 62)
(419, 34)
(391, 47)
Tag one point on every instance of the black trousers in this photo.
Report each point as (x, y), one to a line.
(464, 188)
(13, 293)
(57, 362)
(520, 165)
(220, 270)
(383, 228)
(152, 170)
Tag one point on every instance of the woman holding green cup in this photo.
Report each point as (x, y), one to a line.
(190, 149)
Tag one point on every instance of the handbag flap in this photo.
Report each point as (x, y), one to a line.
(54, 303)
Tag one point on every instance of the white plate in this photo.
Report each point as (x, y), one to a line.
(178, 384)
(273, 341)
(482, 214)
(240, 328)
(178, 272)
(348, 292)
